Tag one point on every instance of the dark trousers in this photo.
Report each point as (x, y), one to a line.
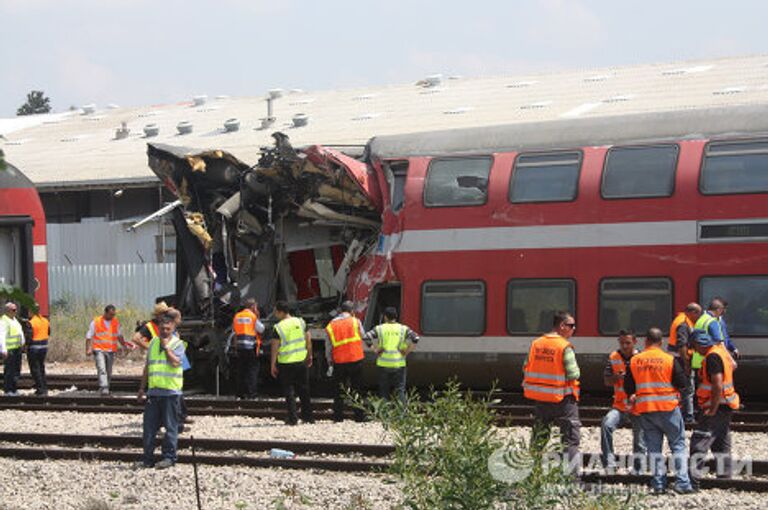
(294, 378)
(36, 360)
(712, 432)
(348, 375)
(247, 373)
(161, 411)
(12, 371)
(392, 382)
(564, 414)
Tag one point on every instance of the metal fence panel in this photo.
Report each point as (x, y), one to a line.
(120, 284)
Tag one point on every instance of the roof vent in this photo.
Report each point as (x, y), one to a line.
(433, 80)
(200, 100)
(364, 97)
(89, 109)
(231, 125)
(296, 91)
(184, 127)
(151, 130)
(113, 106)
(221, 96)
(300, 120)
(122, 132)
(276, 93)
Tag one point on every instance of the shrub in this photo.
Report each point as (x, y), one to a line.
(445, 449)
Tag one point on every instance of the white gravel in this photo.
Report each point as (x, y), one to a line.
(65, 485)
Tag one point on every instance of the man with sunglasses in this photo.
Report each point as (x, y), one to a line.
(551, 380)
(11, 341)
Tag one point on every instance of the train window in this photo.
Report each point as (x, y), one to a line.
(637, 303)
(747, 298)
(640, 172)
(545, 177)
(531, 304)
(453, 308)
(735, 167)
(397, 173)
(457, 181)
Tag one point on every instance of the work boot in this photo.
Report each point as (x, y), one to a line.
(164, 464)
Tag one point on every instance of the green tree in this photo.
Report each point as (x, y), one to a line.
(2, 160)
(36, 103)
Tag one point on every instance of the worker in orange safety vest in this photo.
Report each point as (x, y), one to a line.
(551, 380)
(679, 339)
(246, 336)
(102, 341)
(620, 413)
(344, 353)
(37, 349)
(717, 400)
(653, 384)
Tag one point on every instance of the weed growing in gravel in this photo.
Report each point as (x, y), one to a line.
(70, 320)
(444, 448)
(97, 504)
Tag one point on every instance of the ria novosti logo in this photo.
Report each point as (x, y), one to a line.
(510, 465)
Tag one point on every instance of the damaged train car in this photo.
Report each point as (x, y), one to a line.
(295, 227)
(478, 235)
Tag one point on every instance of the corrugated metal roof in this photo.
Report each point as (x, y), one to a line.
(83, 148)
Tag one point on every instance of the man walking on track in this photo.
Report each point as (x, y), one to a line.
(102, 340)
(551, 380)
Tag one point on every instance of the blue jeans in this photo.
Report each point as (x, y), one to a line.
(613, 420)
(161, 411)
(667, 424)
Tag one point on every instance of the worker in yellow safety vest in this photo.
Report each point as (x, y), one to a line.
(162, 384)
(394, 342)
(291, 358)
(11, 342)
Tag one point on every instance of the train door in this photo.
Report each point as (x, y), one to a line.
(16, 267)
(384, 295)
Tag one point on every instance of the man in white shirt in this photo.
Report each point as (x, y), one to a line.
(11, 341)
(101, 340)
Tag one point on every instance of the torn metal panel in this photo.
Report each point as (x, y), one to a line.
(315, 206)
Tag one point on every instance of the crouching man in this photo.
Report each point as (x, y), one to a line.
(161, 385)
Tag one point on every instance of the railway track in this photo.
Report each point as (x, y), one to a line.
(508, 415)
(310, 456)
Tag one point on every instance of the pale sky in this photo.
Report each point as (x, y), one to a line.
(141, 52)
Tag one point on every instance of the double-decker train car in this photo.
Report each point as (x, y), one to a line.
(478, 235)
(23, 261)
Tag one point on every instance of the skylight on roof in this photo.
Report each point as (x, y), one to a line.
(536, 105)
(727, 91)
(522, 84)
(581, 109)
(364, 97)
(619, 98)
(299, 102)
(366, 116)
(686, 70)
(151, 113)
(459, 110)
(597, 78)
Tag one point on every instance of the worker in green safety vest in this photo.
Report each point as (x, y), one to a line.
(394, 341)
(162, 383)
(291, 357)
(11, 342)
(708, 327)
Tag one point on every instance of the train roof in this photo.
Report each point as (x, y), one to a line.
(637, 128)
(12, 177)
(78, 149)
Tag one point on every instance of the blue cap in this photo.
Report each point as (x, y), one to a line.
(703, 340)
